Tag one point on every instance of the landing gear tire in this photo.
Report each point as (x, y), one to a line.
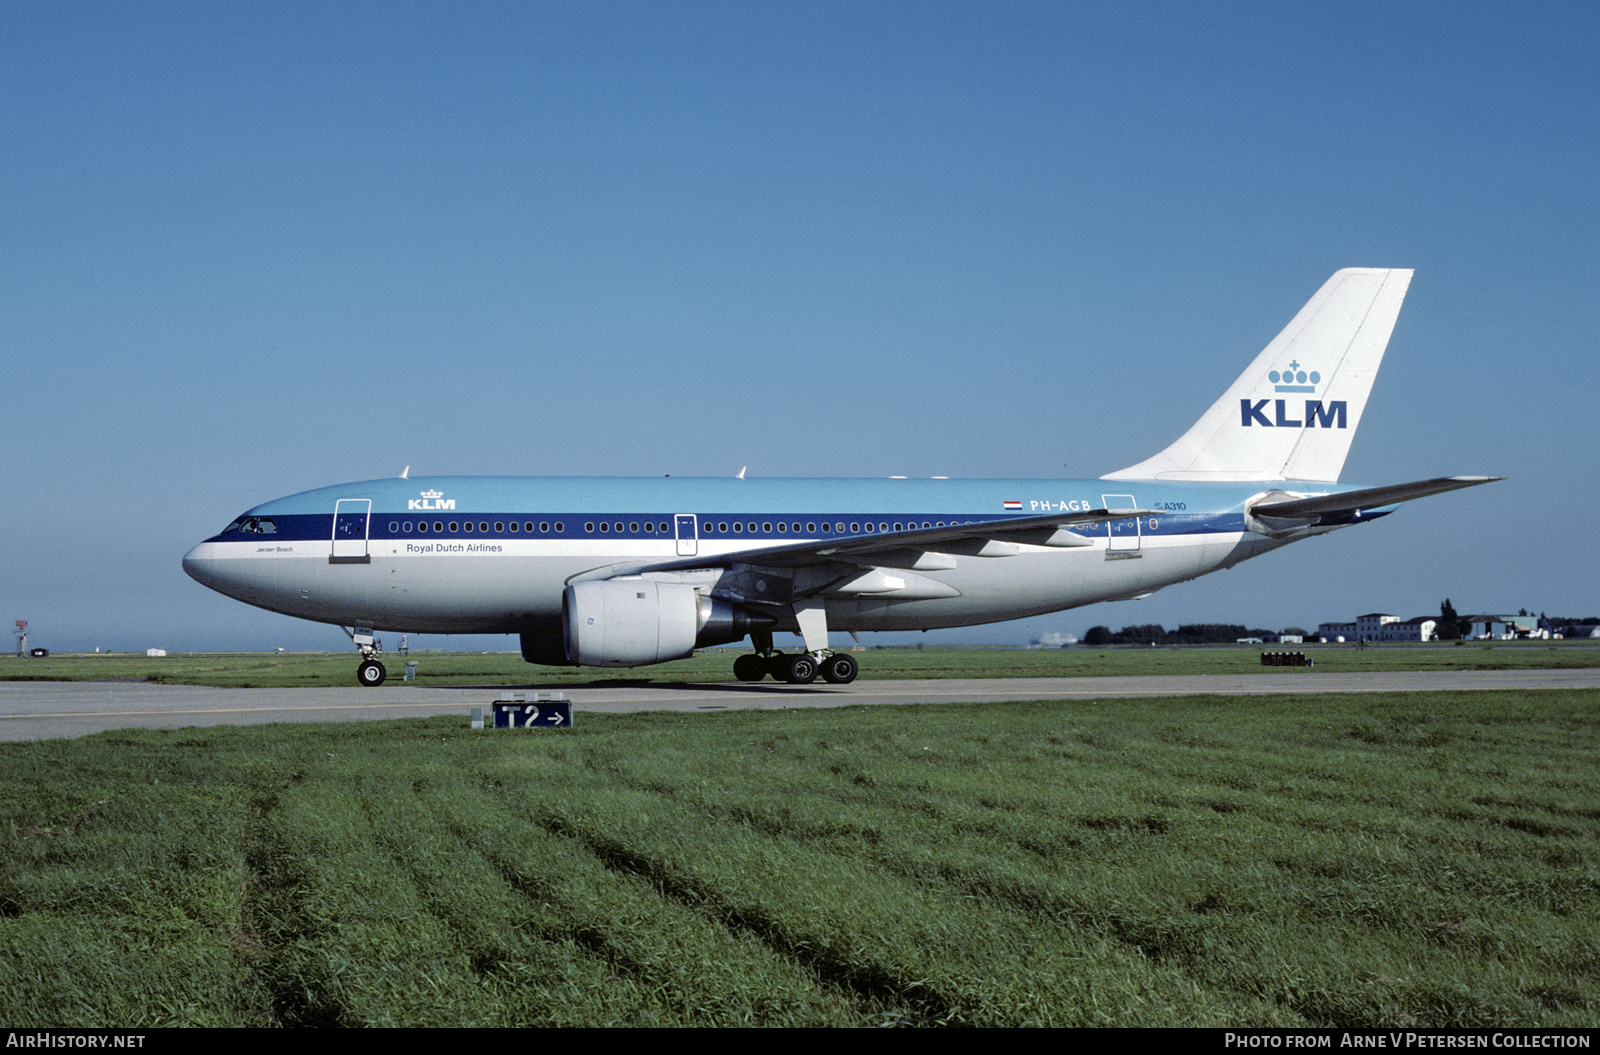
(840, 669)
(801, 669)
(371, 673)
(750, 668)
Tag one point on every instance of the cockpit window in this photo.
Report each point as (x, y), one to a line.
(252, 526)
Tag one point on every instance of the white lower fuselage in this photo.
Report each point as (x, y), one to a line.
(496, 554)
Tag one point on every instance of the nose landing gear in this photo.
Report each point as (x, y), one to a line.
(371, 672)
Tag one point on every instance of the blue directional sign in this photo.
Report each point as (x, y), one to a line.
(546, 714)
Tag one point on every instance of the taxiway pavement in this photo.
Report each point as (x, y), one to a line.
(46, 710)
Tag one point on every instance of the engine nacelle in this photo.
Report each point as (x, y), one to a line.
(636, 622)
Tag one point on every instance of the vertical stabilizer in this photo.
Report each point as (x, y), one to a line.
(1293, 413)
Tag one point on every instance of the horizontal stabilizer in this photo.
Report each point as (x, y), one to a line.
(1366, 498)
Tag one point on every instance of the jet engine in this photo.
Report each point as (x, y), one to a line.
(635, 622)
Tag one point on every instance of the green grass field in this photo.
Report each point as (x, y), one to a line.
(300, 669)
(1426, 859)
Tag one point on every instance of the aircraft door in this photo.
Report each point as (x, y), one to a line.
(688, 536)
(1123, 534)
(350, 519)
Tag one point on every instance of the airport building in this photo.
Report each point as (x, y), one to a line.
(1506, 627)
(1380, 626)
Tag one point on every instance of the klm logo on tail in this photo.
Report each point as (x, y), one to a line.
(1317, 414)
(1294, 379)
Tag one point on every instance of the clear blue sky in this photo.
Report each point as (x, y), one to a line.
(251, 249)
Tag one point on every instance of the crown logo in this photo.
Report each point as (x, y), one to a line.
(433, 494)
(1294, 379)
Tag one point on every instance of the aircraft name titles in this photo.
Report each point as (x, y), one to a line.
(439, 548)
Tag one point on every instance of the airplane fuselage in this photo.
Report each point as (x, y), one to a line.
(493, 554)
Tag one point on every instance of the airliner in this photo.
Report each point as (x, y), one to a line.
(615, 572)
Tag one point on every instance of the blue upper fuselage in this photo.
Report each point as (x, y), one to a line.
(763, 509)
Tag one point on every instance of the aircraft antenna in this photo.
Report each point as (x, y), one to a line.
(742, 468)
(405, 474)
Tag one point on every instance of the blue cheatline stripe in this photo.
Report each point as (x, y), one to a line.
(294, 527)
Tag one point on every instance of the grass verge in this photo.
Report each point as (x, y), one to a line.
(1426, 859)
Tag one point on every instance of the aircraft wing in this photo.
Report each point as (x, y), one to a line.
(1356, 502)
(919, 548)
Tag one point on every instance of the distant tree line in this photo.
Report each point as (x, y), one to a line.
(1192, 634)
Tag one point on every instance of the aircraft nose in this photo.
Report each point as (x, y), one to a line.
(197, 563)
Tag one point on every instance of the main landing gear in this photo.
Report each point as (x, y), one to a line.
(371, 672)
(797, 668)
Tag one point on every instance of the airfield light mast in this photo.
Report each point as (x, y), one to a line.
(22, 637)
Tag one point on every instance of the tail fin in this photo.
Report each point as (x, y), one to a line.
(1293, 413)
